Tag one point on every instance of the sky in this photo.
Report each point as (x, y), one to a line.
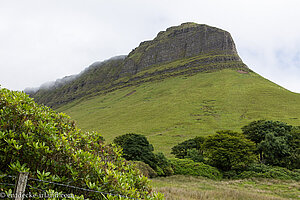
(43, 40)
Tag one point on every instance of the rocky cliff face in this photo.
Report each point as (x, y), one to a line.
(186, 49)
(184, 41)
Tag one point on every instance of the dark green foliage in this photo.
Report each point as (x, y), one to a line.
(136, 147)
(277, 142)
(229, 150)
(293, 161)
(194, 155)
(181, 150)
(189, 167)
(36, 139)
(265, 171)
(257, 130)
(275, 149)
(163, 165)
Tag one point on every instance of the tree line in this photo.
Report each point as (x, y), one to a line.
(264, 144)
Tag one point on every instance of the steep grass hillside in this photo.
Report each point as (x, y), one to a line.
(187, 81)
(171, 110)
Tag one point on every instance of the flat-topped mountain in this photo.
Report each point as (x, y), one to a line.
(188, 81)
(186, 49)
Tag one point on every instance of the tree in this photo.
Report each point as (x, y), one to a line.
(275, 149)
(257, 130)
(293, 160)
(136, 147)
(181, 150)
(229, 150)
(277, 142)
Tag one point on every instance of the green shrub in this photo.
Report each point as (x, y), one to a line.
(145, 169)
(181, 150)
(189, 167)
(265, 171)
(47, 144)
(194, 155)
(163, 165)
(228, 150)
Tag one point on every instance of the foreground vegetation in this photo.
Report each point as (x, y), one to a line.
(47, 144)
(197, 188)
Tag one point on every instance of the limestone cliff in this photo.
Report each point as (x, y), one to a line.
(178, 42)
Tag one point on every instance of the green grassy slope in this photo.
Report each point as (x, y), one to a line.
(172, 110)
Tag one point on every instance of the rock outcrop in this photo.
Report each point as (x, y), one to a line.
(178, 42)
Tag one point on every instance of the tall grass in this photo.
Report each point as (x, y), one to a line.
(192, 188)
(226, 194)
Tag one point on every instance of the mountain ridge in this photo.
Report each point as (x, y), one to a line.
(185, 49)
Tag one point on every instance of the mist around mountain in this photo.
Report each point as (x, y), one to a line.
(52, 85)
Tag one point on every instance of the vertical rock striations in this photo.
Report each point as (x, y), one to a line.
(178, 42)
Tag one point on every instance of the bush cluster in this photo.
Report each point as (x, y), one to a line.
(225, 150)
(265, 148)
(189, 167)
(262, 150)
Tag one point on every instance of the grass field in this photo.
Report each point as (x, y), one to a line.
(178, 108)
(193, 188)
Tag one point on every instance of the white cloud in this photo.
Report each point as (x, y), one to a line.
(42, 40)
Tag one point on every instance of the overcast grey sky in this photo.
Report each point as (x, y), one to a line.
(42, 40)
